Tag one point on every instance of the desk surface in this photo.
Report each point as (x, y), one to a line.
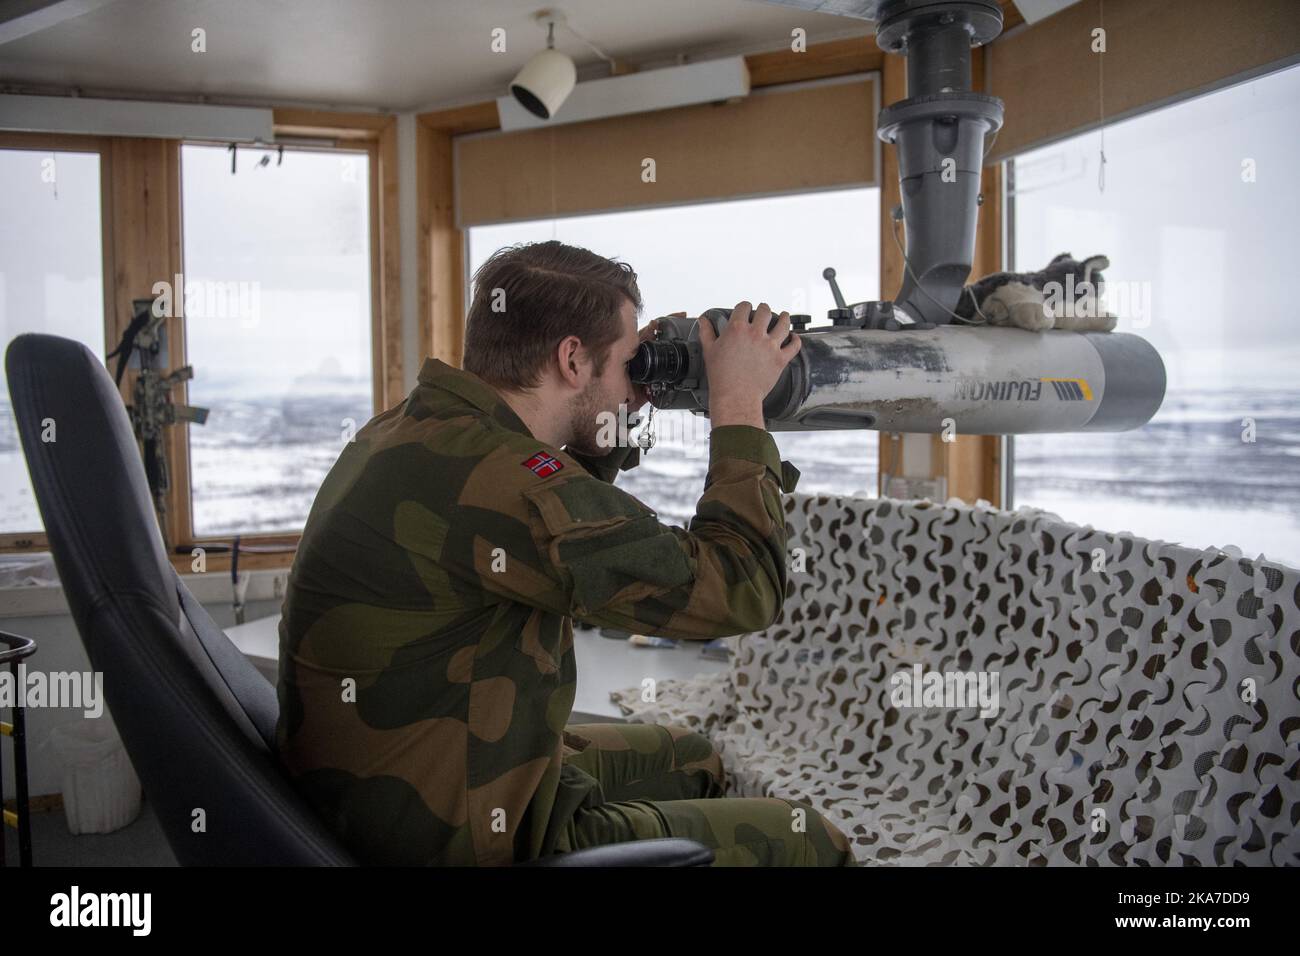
(604, 664)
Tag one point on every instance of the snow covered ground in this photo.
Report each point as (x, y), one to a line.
(1187, 477)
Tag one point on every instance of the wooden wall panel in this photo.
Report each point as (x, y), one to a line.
(817, 137)
(390, 265)
(441, 250)
(835, 58)
(1157, 51)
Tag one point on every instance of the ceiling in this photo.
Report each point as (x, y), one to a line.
(378, 54)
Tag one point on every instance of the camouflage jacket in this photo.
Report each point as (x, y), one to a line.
(426, 645)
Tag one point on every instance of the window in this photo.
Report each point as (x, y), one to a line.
(696, 257)
(51, 280)
(1198, 220)
(278, 327)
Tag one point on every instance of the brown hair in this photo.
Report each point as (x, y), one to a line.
(549, 291)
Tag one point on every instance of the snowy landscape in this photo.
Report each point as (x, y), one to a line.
(1186, 477)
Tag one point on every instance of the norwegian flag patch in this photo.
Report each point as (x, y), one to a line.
(543, 464)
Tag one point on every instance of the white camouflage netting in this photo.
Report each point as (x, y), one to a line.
(1149, 710)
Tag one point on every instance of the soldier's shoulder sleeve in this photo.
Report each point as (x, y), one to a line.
(618, 565)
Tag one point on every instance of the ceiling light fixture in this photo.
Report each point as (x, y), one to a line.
(549, 80)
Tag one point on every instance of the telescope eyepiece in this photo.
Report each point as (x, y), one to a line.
(657, 362)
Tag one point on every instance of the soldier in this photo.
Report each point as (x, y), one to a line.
(426, 647)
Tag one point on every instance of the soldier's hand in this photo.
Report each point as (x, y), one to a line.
(745, 361)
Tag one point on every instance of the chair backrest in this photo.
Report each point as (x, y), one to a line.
(197, 718)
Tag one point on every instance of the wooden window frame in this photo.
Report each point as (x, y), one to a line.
(140, 210)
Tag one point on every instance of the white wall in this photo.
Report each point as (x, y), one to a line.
(59, 648)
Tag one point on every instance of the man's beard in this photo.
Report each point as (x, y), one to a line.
(585, 421)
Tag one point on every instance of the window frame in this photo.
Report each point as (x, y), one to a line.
(287, 541)
(134, 174)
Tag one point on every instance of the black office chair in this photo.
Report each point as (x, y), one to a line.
(197, 718)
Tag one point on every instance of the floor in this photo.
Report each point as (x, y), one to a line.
(604, 664)
(140, 843)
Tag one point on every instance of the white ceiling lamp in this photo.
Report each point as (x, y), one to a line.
(549, 81)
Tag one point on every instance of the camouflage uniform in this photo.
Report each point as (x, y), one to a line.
(426, 648)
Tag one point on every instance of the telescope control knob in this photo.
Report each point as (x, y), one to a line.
(829, 275)
(840, 317)
(800, 322)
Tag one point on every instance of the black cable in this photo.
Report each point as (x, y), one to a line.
(125, 347)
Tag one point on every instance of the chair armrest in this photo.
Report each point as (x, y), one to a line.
(667, 851)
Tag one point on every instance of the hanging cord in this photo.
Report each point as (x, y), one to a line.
(244, 548)
(1101, 96)
(897, 217)
(550, 139)
(127, 345)
(989, 148)
(645, 438)
(598, 51)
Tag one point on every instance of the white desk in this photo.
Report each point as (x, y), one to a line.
(604, 664)
(259, 641)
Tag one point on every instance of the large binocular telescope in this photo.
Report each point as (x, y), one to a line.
(973, 380)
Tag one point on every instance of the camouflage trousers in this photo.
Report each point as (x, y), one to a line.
(667, 781)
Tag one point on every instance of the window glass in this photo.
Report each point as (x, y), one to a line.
(51, 280)
(1197, 217)
(696, 257)
(278, 328)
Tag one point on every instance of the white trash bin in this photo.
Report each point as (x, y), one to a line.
(101, 792)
